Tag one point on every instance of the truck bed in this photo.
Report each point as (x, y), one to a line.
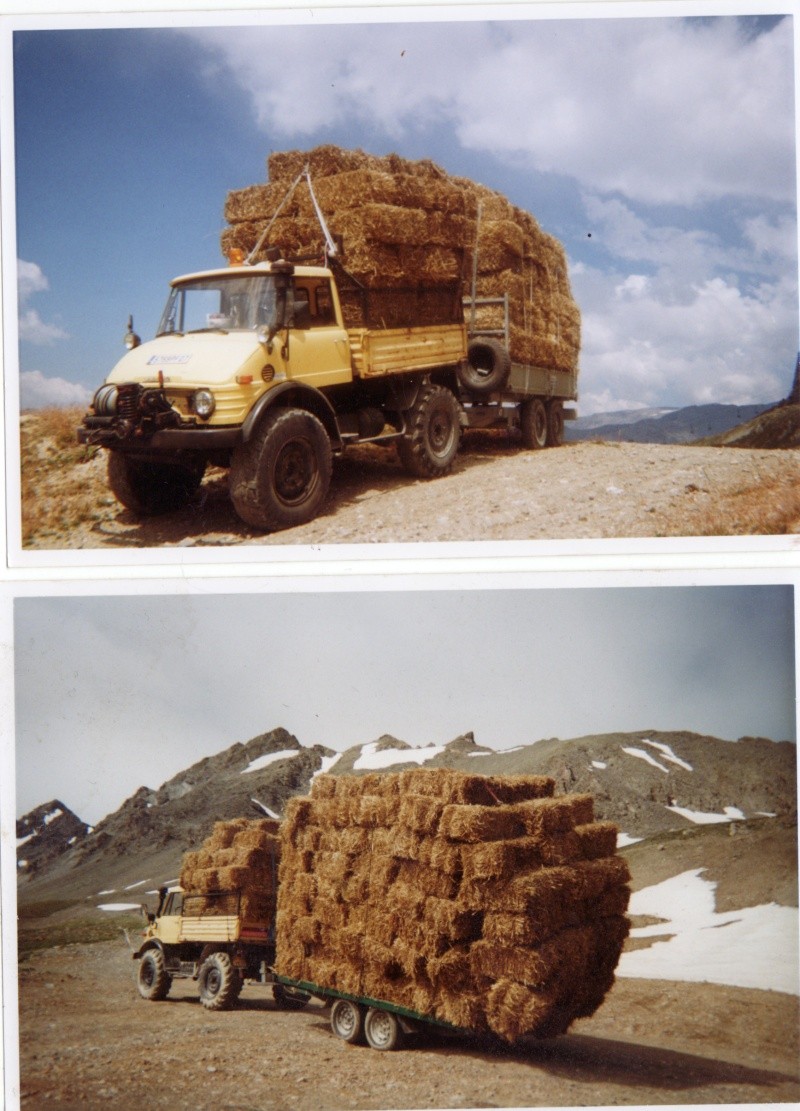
(376, 351)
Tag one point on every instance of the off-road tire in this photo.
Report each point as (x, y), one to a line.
(148, 488)
(219, 982)
(289, 999)
(533, 423)
(152, 978)
(487, 367)
(347, 1021)
(555, 424)
(382, 1030)
(433, 430)
(280, 478)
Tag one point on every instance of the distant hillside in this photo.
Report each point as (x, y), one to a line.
(778, 427)
(47, 833)
(647, 782)
(665, 426)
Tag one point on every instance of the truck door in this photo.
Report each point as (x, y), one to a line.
(319, 350)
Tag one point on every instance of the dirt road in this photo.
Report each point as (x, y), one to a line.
(89, 1041)
(497, 491)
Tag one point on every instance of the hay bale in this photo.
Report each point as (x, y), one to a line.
(500, 913)
(404, 223)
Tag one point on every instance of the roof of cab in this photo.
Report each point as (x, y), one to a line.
(251, 271)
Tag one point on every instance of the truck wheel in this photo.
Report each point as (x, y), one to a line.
(289, 999)
(533, 423)
(281, 477)
(555, 424)
(382, 1030)
(347, 1022)
(152, 977)
(148, 488)
(219, 982)
(430, 444)
(487, 367)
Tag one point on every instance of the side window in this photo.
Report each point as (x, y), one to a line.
(324, 313)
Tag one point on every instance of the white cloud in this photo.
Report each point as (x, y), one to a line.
(662, 110)
(37, 391)
(31, 280)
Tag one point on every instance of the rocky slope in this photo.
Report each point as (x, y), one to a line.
(648, 782)
(45, 834)
(674, 426)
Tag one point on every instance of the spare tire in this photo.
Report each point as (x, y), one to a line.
(487, 367)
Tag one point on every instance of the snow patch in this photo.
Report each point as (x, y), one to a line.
(51, 817)
(757, 948)
(599, 764)
(373, 758)
(118, 906)
(668, 754)
(24, 840)
(704, 818)
(263, 806)
(139, 883)
(22, 864)
(270, 758)
(327, 763)
(110, 891)
(624, 839)
(640, 752)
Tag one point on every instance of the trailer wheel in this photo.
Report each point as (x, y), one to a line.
(382, 1030)
(148, 488)
(281, 477)
(152, 977)
(555, 424)
(347, 1022)
(487, 367)
(219, 982)
(289, 999)
(430, 444)
(533, 423)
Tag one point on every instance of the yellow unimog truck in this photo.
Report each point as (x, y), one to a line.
(253, 368)
(205, 938)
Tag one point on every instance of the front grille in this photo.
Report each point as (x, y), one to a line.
(128, 402)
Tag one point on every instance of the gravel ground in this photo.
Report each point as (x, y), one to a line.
(88, 1041)
(496, 492)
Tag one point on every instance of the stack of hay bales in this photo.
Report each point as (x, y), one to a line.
(240, 855)
(411, 236)
(484, 902)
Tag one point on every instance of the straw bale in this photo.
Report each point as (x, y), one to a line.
(464, 822)
(420, 813)
(518, 930)
(323, 786)
(612, 902)
(466, 1011)
(493, 859)
(408, 955)
(232, 878)
(257, 906)
(452, 973)
(555, 815)
(223, 833)
(496, 962)
(405, 898)
(442, 855)
(297, 815)
(423, 998)
(446, 919)
(560, 848)
(428, 881)
(383, 873)
(513, 1008)
(355, 889)
(329, 911)
(372, 810)
(404, 843)
(597, 839)
(323, 161)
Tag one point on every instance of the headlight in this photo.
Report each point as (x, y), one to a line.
(203, 403)
(105, 401)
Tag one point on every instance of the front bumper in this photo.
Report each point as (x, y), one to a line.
(105, 432)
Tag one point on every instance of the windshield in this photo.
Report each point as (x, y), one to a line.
(220, 304)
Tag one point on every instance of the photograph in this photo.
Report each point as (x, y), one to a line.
(298, 281)
(540, 842)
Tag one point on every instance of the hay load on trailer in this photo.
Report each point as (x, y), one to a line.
(411, 236)
(482, 902)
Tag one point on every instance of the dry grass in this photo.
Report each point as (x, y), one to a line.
(57, 475)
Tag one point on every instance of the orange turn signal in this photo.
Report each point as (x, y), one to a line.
(244, 379)
(235, 256)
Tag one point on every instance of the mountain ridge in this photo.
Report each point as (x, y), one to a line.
(649, 782)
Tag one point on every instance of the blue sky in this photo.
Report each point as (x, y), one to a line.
(659, 150)
(163, 680)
